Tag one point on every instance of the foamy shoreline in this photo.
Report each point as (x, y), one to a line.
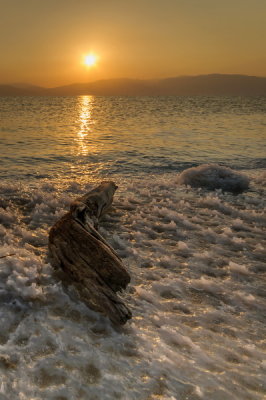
(197, 261)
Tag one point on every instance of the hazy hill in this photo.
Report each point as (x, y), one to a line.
(22, 90)
(109, 87)
(212, 85)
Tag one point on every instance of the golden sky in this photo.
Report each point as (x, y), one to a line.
(44, 42)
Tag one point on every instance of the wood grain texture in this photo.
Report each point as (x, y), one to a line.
(79, 250)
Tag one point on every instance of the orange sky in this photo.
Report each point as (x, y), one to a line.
(43, 41)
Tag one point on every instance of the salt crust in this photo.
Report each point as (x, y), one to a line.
(197, 261)
(214, 176)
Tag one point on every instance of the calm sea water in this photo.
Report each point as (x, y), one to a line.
(196, 257)
(99, 136)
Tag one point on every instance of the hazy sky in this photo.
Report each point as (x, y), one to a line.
(44, 41)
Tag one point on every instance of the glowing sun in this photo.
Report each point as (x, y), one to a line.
(90, 60)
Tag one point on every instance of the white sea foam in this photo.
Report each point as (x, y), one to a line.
(197, 261)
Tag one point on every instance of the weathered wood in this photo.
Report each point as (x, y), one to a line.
(98, 201)
(80, 251)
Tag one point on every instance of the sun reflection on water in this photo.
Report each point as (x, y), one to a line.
(85, 121)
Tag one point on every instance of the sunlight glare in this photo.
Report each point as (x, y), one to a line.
(90, 60)
(84, 123)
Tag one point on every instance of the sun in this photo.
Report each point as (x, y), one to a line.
(90, 60)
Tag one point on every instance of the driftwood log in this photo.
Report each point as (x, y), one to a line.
(82, 253)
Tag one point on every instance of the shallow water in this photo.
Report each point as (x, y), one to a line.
(102, 136)
(197, 260)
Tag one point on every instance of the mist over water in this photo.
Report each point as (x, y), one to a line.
(196, 257)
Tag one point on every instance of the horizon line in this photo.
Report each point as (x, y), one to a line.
(130, 79)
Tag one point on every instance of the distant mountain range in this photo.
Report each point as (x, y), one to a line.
(208, 85)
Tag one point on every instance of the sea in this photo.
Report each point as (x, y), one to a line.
(196, 256)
